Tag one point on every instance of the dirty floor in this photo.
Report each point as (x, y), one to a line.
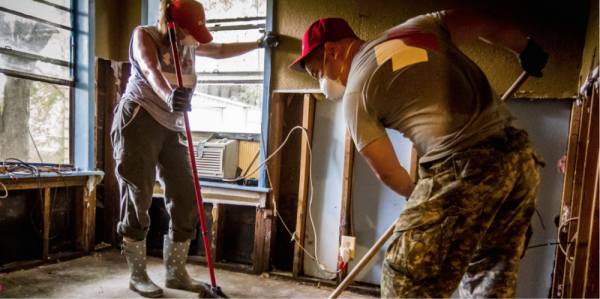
(105, 275)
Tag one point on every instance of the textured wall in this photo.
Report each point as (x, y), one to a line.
(115, 21)
(591, 40)
(559, 26)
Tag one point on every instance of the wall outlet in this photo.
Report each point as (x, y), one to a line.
(350, 243)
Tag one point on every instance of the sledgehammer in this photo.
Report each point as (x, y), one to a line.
(373, 251)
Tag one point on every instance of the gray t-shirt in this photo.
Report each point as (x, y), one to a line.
(413, 79)
(140, 91)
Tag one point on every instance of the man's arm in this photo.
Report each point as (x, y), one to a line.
(221, 51)
(380, 155)
(466, 26)
(144, 52)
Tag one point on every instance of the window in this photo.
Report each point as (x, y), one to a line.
(229, 94)
(36, 80)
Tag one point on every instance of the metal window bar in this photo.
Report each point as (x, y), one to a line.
(35, 77)
(22, 15)
(11, 52)
(233, 20)
(54, 5)
(209, 78)
(236, 27)
(239, 81)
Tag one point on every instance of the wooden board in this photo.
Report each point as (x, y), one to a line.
(111, 186)
(346, 206)
(248, 158)
(262, 248)
(265, 229)
(85, 218)
(216, 244)
(567, 194)
(111, 79)
(586, 208)
(308, 116)
(576, 189)
(100, 125)
(591, 278)
(46, 182)
(46, 234)
(414, 165)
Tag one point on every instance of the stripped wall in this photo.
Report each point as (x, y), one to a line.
(115, 21)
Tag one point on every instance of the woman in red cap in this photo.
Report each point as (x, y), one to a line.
(149, 139)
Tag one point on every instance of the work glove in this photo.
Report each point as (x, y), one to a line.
(180, 100)
(269, 39)
(533, 59)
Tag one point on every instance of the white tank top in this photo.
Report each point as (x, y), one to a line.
(140, 91)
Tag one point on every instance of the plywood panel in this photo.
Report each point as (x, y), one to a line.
(305, 162)
(346, 206)
(248, 158)
(589, 184)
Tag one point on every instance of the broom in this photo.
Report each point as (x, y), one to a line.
(208, 290)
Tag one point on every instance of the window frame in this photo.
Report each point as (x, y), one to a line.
(48, 79)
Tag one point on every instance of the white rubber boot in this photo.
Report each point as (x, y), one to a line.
(175, 257)
(136, 259)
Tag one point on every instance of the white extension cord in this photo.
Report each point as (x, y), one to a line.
(322, 266)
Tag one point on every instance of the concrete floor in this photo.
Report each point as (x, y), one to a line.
(105, 275)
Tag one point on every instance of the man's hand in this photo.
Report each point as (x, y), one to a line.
(180, 100)
(533, 59)
(269, 39)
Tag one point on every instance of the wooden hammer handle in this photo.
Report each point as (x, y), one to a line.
(363, 262)
(511, 91)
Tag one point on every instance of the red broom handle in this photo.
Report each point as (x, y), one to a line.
(188, 133)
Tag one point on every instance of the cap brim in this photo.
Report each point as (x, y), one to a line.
(201, 34)
(298, 65)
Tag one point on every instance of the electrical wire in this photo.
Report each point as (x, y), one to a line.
(322, 266)
(36, 173)
(541, 220)
(560, 244)
(272, 155)
(33, 171)
(549, 244)
(5, 191)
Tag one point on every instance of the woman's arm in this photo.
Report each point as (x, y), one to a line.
(145, 54)
(221, 51)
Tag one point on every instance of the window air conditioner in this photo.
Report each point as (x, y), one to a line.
(219, 158)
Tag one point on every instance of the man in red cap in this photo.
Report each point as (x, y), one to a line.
(149, 139)
(471, 209)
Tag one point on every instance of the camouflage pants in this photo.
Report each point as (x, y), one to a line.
(468, 219)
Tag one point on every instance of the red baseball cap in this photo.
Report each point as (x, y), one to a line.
(320, 32)
(190, 15)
